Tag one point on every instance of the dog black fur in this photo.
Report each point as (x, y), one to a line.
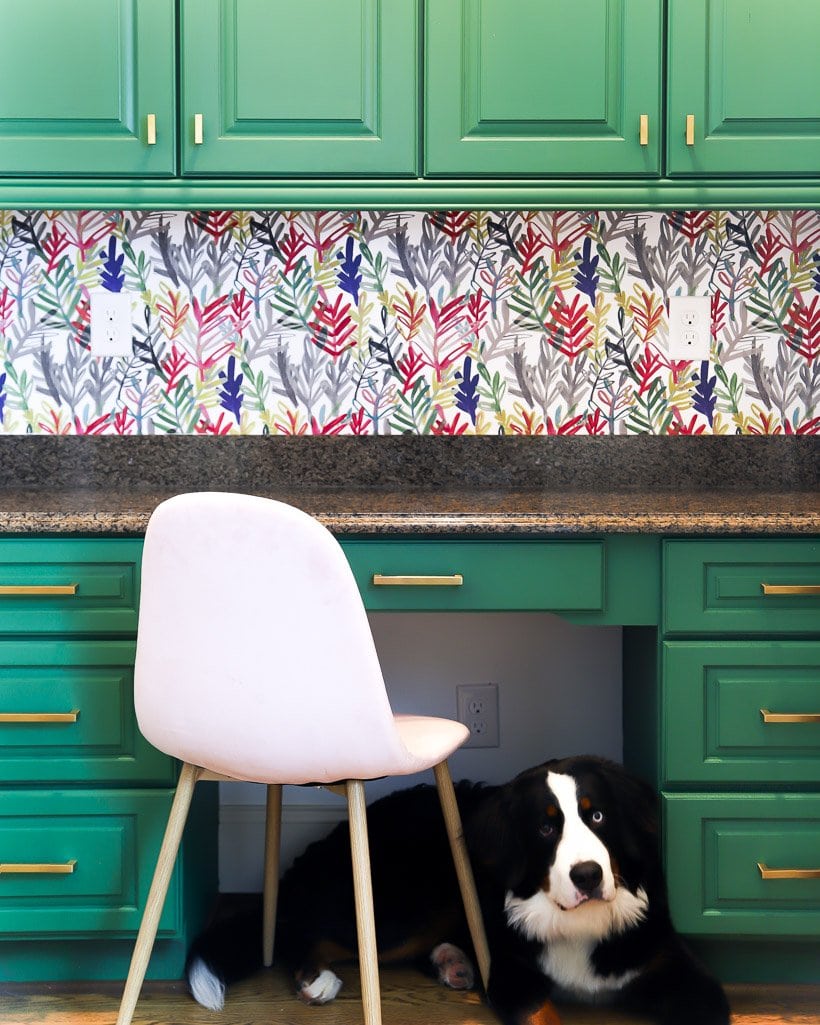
(568, 870)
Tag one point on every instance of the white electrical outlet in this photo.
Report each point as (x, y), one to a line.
(478, 710)
(111, 324)
(690, 327)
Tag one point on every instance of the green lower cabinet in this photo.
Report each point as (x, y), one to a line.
(720, 851)
(738, 712)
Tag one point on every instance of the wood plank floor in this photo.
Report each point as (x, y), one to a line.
(407, 999)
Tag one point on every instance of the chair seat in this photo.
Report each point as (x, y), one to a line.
(428, 739)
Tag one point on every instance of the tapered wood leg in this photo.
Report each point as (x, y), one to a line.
(464, 871)
(270, 883)
(363, 892)
(159, 888)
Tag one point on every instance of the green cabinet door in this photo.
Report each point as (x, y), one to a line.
(542, 87)
(748, 71)
(311, 88)
(79, 83)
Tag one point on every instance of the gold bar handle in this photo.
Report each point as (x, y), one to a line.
(151, 129)
(19, 590)
(71, 716)
(643, 133)
(454, 580)
(790, 588)
(199, 133)
(64, 868)
(789, 716)
(690, 129)
(787, 873)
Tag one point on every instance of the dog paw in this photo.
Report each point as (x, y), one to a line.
(319, 990)
(453, 966)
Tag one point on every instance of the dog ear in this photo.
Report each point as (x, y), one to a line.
(493, 835)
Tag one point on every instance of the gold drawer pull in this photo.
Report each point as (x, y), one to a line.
(789, 716)
(643, 132)
(791, 588)
(151, 129)
(454, 580)
(64, 868)
(40, 716)
(690, 129)
(199, 133)
(788, 873)
(17, 590)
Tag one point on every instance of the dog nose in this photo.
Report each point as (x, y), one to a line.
(586, 875)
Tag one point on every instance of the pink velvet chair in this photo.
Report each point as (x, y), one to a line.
(255, 661)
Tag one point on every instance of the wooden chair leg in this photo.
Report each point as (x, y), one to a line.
(156, 895)
(464, 871)
(363, 892)
(270, 883)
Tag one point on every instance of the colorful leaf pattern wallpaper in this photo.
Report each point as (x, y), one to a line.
(373, 323)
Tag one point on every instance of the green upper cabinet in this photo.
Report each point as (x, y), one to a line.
(310, 88)
(80, 84)
(542, 87)
(748, 72)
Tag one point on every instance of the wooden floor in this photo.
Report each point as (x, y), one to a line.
(407, 999)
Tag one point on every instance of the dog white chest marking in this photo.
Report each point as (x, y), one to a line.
(568, 963)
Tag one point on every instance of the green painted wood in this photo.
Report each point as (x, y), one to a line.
(93, 678)
(504, 575)
(414, 194)
(314, 88)
(713, 843)
(77, 82)
(522, 87)
(713, 730)
(107, 574)
(749, 72)
(715, 586)
(114, 836)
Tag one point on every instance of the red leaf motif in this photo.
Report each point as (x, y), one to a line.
(803, 330)
(569, 327)
(453, 223)
(332, 327)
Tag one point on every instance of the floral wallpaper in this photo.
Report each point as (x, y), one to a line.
(369, 323)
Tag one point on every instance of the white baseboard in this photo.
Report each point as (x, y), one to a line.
(242, 839)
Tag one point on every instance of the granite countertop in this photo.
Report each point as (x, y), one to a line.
(463, 512)
(424, 486)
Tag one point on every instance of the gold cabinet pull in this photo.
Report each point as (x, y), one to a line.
(71, 716)
(454, 580)
(690, 129)
(18, 590)
(64, 868)
(787, 873)
(199, 133)
(790, 588)
(789, 716)
(151, 129)
(644, 130)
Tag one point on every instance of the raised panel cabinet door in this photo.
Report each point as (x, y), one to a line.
(543, 87)
(324, 88)
(85, 87)
(748, 73)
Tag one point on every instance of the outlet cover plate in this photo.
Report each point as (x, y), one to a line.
(111, 324)
(478, 710)
(690, 327)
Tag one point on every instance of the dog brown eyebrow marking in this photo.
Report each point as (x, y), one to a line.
(552, 811)
(585, 804)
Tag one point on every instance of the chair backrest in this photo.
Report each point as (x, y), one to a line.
(254, 654)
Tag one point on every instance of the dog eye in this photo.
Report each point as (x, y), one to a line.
(547, 829)
(597, 817)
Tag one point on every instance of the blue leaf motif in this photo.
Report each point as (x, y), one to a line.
(586, 280)
(816, 278)
(3, 397)
(111, 275)
(705, 398)
(349, 278)
(230, 397)
(467, 395)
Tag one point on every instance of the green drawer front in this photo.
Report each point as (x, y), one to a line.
(104, 574)
(717, 586)
(714, 698)
(713, 846)
(565, 575)
(85, 691)
(112, 838)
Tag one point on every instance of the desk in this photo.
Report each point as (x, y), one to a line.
(689, 600)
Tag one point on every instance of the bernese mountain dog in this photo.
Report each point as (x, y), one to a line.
(568, 870)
